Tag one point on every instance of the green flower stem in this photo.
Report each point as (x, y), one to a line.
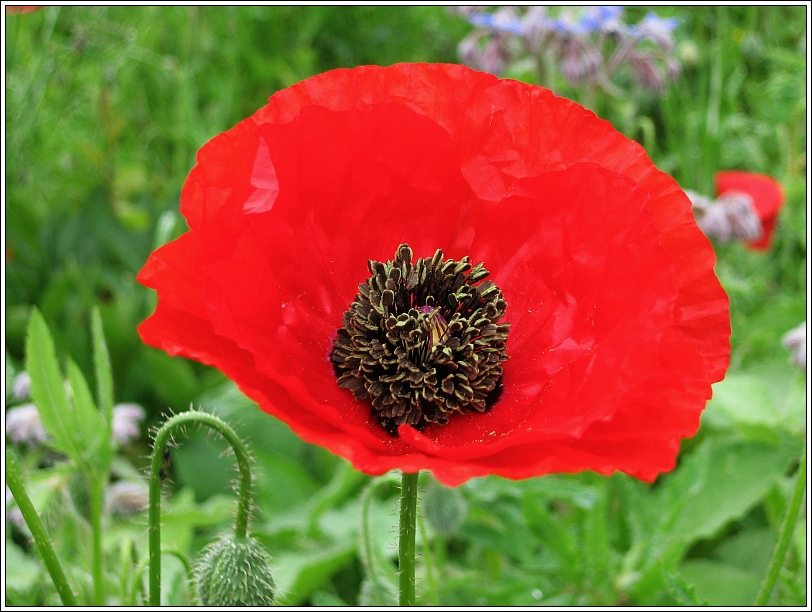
(784, 538)
(96, 507)
(406, 543)
(46, 550)
(244, 493)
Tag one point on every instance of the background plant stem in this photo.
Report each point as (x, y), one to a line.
(96, 507)
(46, 550)
(406, 543)
(784, 538)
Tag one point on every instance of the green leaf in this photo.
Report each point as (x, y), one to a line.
(22, 571)
(48, 390)
(323, 599)
(760, 401)
(104, 373)
(299, 574)
(718, 483)
(749, 550)
(720, 584)
(90, 428)
(502, 529)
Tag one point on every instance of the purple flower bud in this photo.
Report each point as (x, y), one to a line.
(126, 418)
(730, 217)
(715, 224)
(647, 72)
(124, 498)
(739, 208)
(21, 387)
(23, 424)
(580, 61)
(795, 341)
(536, 26)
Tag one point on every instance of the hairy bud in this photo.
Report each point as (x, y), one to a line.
(234, 572)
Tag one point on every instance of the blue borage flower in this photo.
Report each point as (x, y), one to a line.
(497, 21)
(656, 29)
(592, 19)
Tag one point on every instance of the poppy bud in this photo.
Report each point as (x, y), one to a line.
(234, 572)
(445, 508)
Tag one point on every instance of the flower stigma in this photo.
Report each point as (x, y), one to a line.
(423, 340)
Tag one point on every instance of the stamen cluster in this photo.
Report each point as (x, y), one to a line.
(423, 340)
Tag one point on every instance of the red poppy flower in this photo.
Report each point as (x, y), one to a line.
(618, 325)
(767, 197)
(22, 9)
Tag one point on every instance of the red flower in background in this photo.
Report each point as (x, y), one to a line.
(618, 325)
(766, 195)
(12, 10)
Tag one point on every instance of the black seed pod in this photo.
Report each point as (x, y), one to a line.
(423, 340)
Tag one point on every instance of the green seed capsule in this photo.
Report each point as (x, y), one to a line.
(234, 572)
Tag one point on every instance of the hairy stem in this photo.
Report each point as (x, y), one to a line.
(406, 543)
(46, 550)
(784, 538)
(244, 492)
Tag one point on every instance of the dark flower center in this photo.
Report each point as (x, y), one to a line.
(423, 340)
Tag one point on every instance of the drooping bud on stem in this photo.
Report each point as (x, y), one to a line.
(244, 493)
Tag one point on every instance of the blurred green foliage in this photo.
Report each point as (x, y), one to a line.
(105, 109)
